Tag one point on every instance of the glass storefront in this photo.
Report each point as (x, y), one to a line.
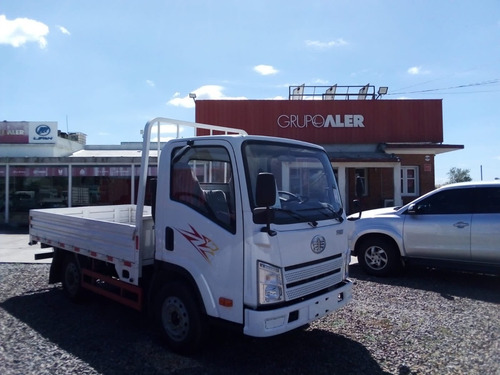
(35, 187)
(3, 197)
(26, 187)
(92, 186)
(152, 174)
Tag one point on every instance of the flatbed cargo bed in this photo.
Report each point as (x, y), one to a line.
(107, 233)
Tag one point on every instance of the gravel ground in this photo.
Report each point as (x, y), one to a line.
(425, 322)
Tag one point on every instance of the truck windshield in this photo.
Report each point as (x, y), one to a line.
(306, 186)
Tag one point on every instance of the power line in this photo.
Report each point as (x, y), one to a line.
(484, 83)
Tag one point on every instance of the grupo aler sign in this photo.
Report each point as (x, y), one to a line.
(320, 121)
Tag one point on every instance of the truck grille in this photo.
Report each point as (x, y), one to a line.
(304, 279)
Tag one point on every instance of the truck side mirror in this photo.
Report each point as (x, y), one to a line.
(265, 191)
(265, 197)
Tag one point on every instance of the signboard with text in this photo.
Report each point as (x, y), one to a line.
(330, 121)
(25, 132)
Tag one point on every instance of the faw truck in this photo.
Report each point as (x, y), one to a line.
(247, 230)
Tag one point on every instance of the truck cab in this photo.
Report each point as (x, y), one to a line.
(258, 225)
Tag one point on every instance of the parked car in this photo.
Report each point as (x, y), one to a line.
(456, 226)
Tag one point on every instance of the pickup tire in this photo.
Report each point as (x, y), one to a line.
(180, 320)
(71, 277)
(379, 256)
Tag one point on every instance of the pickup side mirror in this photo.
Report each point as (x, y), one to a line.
(265, 197)
(412, 209)
(356, 204)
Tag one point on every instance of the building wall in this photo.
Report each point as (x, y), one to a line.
(330, 121)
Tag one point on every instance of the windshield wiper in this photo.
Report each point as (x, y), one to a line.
(336, 214)
(297, 216)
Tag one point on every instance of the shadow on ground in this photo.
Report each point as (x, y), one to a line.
(113, 339)
(448, 283)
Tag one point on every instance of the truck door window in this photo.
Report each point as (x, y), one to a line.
(202, 179)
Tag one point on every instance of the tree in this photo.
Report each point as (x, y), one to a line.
(458, 175)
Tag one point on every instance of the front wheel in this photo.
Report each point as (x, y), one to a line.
(180, 319)
(379, 257)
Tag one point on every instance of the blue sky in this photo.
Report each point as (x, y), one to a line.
(106, 67)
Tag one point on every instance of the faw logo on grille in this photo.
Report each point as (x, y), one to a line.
(318, 244)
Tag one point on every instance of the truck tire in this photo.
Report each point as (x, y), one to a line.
(180, 320)
(379, 257)
(71, 278)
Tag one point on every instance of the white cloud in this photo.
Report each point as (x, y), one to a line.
(20, 31)
(417, 70)
(265, 70)
(320, 81)
(150, 83)
(63, 30)
(203, 92)
(330, 44)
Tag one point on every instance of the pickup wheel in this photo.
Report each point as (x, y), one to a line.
(182, 323)
(71, 278)
(379, 257)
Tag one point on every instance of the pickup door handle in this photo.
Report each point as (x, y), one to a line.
(169, 239)
(461, 225)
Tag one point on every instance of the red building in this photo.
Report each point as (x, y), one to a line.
(382, 150)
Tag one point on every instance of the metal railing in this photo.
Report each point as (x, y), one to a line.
(335, 92)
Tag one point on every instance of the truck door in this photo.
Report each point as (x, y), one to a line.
(198, 225)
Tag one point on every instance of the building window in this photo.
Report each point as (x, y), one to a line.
(361, 187)
(409, 181)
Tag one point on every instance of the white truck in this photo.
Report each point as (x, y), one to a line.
(248, 230)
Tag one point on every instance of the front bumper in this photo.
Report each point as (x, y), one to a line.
(274, 322)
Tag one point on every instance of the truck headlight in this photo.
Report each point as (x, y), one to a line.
(270, 284)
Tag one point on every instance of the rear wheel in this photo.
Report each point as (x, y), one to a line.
(71, 278)
(180, 319)
(379, 257)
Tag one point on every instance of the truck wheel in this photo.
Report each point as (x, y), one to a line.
(71, 278)
(181, 322)
(379, 257)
